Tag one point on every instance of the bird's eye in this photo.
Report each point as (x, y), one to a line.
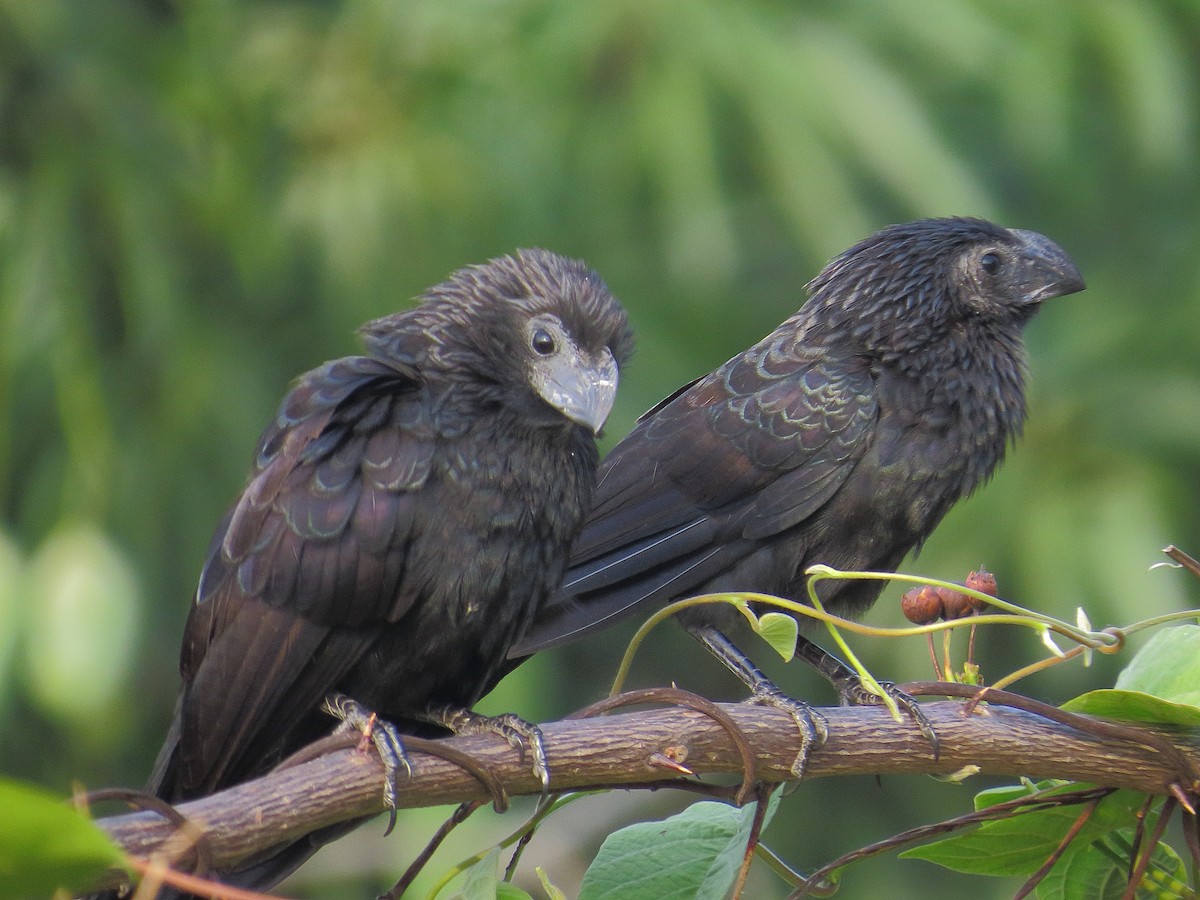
(542, 342)
(990, 263)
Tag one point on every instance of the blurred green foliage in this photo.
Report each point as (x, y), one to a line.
(199, 200)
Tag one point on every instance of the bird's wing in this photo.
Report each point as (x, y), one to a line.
(263, 672)
(748, 452)
(313, 548)
(333, 494)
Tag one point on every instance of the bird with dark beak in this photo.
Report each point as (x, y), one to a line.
(407, 511)
(842, 438)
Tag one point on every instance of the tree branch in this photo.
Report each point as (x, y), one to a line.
(628, 749)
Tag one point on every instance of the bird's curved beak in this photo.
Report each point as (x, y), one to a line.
(1049, 272)
(582, 388)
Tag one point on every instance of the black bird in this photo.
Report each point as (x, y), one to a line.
(841, 438)
(406, 513)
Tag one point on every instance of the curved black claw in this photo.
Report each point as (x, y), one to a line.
(509, 726)
(813, 727)
(854, 693)
(381, 733)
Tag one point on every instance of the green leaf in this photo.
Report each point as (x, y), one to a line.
(45, 845)
(723, 871)
(1133, 706)
(1160, 685)
(1092, 867)
(1167, 667)
(695, 854)
(508, 891)
(1019, 845)
(551, 889)
(780, 631)
(1085, 872)
(480, 881)
(1004, 793)
(1081, 873)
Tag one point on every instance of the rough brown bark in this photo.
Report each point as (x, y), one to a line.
(620, 749)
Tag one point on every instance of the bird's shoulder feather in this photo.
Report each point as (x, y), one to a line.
(749, 451)
(331, 492)
(761, 442)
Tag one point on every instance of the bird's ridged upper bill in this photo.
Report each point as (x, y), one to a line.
(1051, 273)
(581, 387)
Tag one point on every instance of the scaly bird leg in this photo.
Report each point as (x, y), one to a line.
(381, 733)
(853, 692)
(512, 728)
(393, 752)
(811, 724)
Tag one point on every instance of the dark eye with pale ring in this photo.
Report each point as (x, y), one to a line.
(990, 263)
(542, 343)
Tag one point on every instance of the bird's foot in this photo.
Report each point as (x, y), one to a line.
(813, 727)
(382, 734)
(854, 692)
(512, 728)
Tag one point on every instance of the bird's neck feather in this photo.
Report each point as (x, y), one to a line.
(969, 383)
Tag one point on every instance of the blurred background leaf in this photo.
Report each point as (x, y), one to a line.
(46, 846)
(199, 201)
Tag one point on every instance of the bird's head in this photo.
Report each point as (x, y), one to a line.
(1002, 272)
(905, 284)
(540, 330)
